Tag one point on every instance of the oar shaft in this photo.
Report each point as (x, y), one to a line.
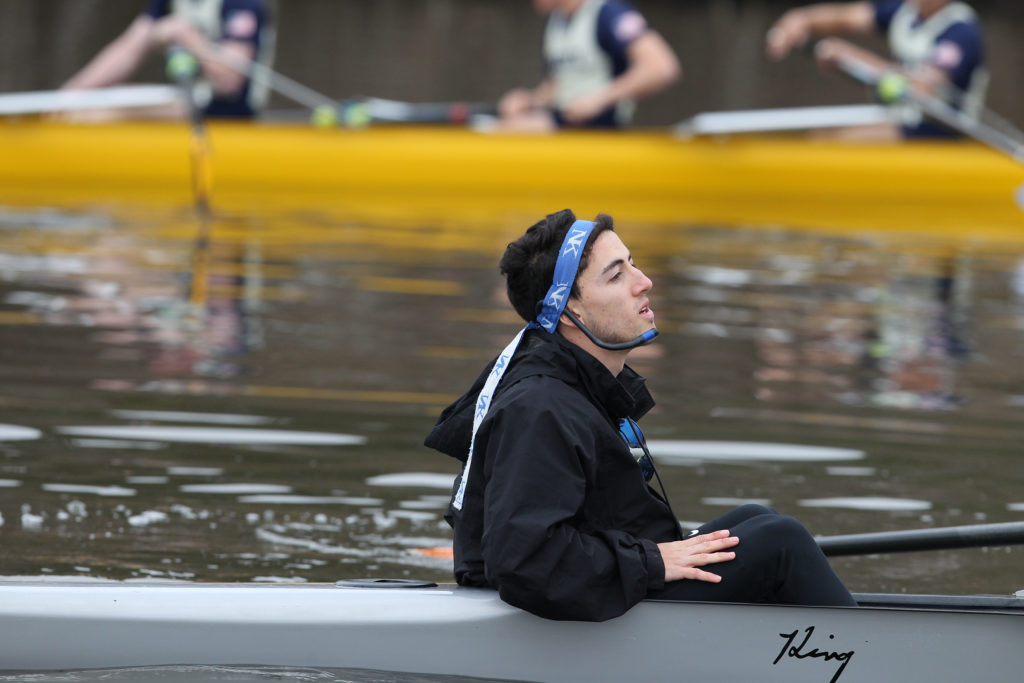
(378, 109)
(793, 118)
(263, 74)
(870, 74)
(970, 536)
(957, 120)
(288, 87)
(45, 101)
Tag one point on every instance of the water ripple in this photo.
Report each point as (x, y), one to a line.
(182, 416)
(308, 500)
(86, 488)
(235, 488)
(423, 479)
(217, 435)
(18, 433)
(868, 503)
(674, 452)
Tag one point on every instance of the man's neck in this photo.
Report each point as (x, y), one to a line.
(613, 360)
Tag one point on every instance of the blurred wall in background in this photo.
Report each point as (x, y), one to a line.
(476, 49)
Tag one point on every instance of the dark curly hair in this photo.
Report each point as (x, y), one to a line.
(529, 263)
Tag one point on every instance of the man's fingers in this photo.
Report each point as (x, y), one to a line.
(683, 558)
(713, 558)
(703, 538)
(776, 43)
(690, 567)
(716, 540)
(701, 575)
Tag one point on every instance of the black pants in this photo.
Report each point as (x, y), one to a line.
(777, 561)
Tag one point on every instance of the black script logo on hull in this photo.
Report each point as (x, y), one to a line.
(803, 651)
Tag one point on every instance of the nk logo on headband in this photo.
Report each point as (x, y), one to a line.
(574, 241)
(554, 302)
(557, 294)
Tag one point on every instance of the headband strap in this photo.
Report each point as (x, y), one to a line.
(565, 274)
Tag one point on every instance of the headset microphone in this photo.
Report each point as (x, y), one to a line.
(644, 338)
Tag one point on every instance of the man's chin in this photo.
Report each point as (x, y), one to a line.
(651, 333)
(645, 332)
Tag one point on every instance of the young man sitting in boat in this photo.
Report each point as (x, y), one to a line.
(938, 47)
(225, 37)
(601, 56)
(552, 509)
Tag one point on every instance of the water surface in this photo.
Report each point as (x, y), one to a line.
(270, 429)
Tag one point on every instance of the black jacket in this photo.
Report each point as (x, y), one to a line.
(556, 515)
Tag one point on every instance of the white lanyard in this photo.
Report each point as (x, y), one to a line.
(483, 404)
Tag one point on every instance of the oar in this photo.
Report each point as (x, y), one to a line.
(893, 87)
(46, 101)
(940, 538)
(278, 82)
(357, 111)
(792, 118)
(376, 109)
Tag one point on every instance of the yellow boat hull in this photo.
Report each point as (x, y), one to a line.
(430, 174)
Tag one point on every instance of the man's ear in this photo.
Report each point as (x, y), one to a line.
(566, 320)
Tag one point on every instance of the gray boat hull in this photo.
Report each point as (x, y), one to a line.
(447, 630)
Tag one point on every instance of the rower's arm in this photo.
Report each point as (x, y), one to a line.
(653, 66)
(520, 101)
(223, 64)
(543, 96)
(838, 53)
(116, 62)
(799, 25)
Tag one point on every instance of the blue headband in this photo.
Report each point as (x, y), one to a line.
(565, 274)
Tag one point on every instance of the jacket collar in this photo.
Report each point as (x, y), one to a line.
(624, 395)
(541, 353)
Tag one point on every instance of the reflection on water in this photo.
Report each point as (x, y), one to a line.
(868, 503)
(214, 435)
(274, 434)
(676, 452)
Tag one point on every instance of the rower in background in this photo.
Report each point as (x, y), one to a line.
(937, 44)
(601, 56)
(212, 31)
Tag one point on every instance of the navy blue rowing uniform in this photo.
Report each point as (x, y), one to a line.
(950, 40)
(586, 51)
(243, 21)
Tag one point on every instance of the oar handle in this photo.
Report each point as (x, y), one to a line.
(969, 536)
(182, 66)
